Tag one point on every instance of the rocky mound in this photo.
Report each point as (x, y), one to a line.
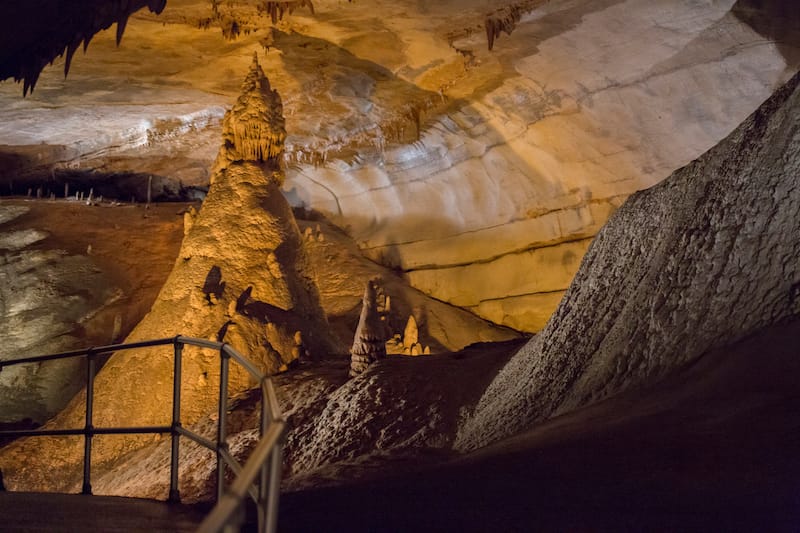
(696, 262)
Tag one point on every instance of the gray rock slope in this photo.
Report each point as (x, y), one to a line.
(696, 262)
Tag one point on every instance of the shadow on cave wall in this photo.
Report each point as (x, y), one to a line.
(22, 175)
(776, 20)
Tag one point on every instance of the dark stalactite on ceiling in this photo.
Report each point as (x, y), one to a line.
(776, 20)
(34, 33)
(505, 19)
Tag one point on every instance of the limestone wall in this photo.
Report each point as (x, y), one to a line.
(698, 262)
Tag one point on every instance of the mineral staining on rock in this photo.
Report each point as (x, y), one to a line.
(697, 262)
(369, 344)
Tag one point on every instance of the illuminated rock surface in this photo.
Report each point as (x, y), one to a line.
(482, 177)
(55, 297)
(241, 276)
(689, 243)
(482, 174)
(697, 262)
(494, 205)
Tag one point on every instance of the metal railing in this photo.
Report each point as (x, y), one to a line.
(264, 463)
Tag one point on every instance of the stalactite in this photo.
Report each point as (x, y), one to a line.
(505, 19)
(276, 10)
(75, 25)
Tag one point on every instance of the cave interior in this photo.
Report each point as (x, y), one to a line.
(518, 265)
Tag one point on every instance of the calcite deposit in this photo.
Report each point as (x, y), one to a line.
(481, 175)
(494, 205)
(54, 30)
(254, 130)
(699, 261)
(369, 344)
(241, 277)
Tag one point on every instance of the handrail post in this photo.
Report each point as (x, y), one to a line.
(275, 469)
(88, 428)
(263, 488)
(174, 492)
(222, 419)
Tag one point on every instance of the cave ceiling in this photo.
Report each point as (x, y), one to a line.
(476, 146)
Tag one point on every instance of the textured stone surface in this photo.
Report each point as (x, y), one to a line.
(574, 122)
(438, 156)
(369, 343)
(54, 296)
(694, 263)
(241, 276)
(343, 270)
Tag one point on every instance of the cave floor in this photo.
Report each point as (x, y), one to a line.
(22, 511)
(710, 448)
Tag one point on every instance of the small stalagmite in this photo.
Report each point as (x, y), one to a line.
(369, 343)
(411, 333)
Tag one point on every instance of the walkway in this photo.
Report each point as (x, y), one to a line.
(76, 513)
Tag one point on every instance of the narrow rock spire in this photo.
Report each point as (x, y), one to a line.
(369, 343)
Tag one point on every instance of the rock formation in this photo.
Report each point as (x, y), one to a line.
(697, 262)
(502, 20)
(410, 341)
(560, 144)
(58, 29)
(506, 18)
(369, 343)
(277, 10)
(411, 332)
(241, 277)
(48, 298)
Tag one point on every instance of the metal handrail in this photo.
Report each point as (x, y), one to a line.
(264, 462)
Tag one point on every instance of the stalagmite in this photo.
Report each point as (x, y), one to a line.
(243, 246)
(369, 343)
(411, 333)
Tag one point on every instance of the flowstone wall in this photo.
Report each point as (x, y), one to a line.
(699, 261)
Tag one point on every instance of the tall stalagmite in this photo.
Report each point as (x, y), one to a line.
(241, 277)
(369, 343)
